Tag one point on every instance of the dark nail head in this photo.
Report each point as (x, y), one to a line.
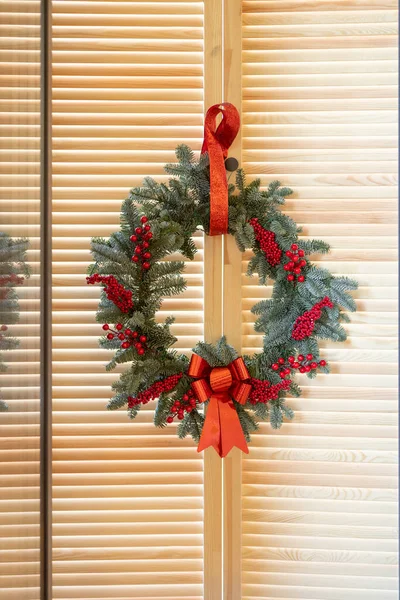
(231, 164)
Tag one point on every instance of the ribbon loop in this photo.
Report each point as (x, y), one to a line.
(221, 385)
(198, 367)
(202, 390)
(217, 141)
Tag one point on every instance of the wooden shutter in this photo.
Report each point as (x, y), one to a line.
(127, 498)
(319, 112)
(19, 217)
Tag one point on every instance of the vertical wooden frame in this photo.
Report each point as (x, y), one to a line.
(213, 319)
(232, 312)
(45, 305)
(222, 314)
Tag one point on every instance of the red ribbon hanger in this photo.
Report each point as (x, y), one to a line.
(217, 141)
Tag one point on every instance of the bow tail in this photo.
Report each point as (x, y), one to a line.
(231, 429)
(222, 429)
(211, 434)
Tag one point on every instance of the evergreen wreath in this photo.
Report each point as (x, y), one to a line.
(137, 269)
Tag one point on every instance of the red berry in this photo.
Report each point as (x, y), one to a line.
(286, 267)
(147, 255)
(138, 231)
(322, 363)
(174, 409)
(300, 357)
(135, 258)
(291, 359)
(145, 244)
(144, 219)
(149, 235)
(141, 351)
(289, 254)
(133, 238)
(314, 365)
(290, 277)
(297, 270)
(307, 368)
(282, 374)
(135, 334)
(146, 265)
(267, 243)
(301, 278)
(281, 361)
(302, 369)
(287, 371)
(294, 247)
(121, 336)
(290, 265)
(147, 228)
(138, 250)
(302, 263)
(301, 253)
(126, 345)
(170, 419)
(296, 365)
(110, 336)
(143, 339)
(295, 259)
(309, 356)
(105, 327)
(180, 416)
(119, 326)
(128, 332)
(275, 366)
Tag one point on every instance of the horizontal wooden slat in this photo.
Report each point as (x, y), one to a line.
(129, 72)
(319, 512)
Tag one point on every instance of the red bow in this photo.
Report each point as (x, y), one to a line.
(217, 142)
(220, 385)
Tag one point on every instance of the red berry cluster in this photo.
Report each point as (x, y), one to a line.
(304, 325)
(264, 391)
(3, 328)
(154, 391)
(114, 291)
(266, 240)
(12, 278)
(296, 263)
(186, 404)
(304, 364)
(9, 281)
(128, 338)
(143, 236)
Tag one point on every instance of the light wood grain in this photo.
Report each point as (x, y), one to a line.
(128, 74)
(314, 492)
(232, 466)
(213, 317)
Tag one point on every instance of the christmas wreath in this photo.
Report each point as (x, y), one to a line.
(217, 397)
